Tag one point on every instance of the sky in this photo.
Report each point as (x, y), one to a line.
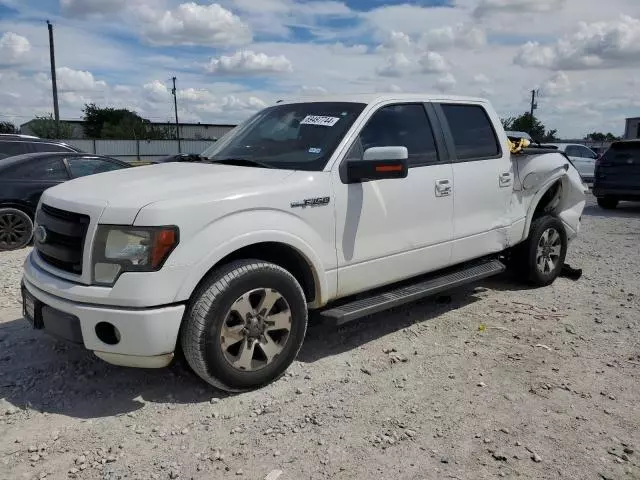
(234, 57)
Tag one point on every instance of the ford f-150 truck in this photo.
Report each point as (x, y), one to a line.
(344, 205)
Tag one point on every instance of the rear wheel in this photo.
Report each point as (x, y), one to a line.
(608, 203)
(245, 325)
(541, 257)
(16, 229)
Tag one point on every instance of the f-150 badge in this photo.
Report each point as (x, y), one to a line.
(311, 202)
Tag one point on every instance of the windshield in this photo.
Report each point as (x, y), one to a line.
(298, 136)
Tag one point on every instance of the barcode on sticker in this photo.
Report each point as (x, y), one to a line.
(319, 120)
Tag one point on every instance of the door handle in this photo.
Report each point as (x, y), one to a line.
(505, 179)
(443, 188)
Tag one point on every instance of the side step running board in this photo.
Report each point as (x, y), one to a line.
(410, 293)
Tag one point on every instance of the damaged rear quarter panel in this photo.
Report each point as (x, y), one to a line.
(537, 174)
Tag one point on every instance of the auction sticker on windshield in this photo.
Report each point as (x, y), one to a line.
(319, 120)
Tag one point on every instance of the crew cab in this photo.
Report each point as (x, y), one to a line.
(343, 205)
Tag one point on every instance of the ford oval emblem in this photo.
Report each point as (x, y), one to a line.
(41, 234)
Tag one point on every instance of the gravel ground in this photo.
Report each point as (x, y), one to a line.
(492, 381)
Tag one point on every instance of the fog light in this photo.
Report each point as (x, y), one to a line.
(108, 333)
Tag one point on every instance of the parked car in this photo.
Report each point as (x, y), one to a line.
(180, 157)
(304, 206)
(618, 174)
(23, 178)
(582, 157)
(11, 145)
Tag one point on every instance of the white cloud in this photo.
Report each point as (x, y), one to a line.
(432, 62)
(249, 62)
(396, 65)
(93, 7)
(396, 42)
(461, 35)
(313, 91)
(488, 7)
(596, 45)
(446, 82)
(481, 79)
(193, 24)
(14, 49)
(77, 80)
(558, 84)
(232, 104)
(156, 90)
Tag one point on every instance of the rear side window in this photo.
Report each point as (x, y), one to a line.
(473, 134)
(624, 153)
(572, 151)
(9, 149)
(83, 166)
(405, 125)
(50, 147)
(47, 169)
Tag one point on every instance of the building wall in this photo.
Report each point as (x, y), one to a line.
(632, 129)
(139, 150)
(187, 131)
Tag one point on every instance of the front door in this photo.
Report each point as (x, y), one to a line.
(390, 230)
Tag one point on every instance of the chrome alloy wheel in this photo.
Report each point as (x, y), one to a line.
(256, 329)
(548, 251)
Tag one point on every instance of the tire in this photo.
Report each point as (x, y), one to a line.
(608, 203)
(227, 342)
(541, 257)
(16, 229)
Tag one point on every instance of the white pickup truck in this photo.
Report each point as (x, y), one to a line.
(346, 205)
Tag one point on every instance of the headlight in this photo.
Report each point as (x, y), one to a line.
(119, 249)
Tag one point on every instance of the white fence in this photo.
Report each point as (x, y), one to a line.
(139, 150)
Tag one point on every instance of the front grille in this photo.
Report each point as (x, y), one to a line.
(64, 240)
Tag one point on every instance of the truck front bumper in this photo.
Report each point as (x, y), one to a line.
(132, 337)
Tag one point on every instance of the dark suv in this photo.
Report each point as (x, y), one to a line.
(11, 145)
(617, 174)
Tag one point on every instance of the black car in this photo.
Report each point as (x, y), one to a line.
(617, 174)
(11, 145)
(24, 178)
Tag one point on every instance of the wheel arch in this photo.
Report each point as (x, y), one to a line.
(281, 249)
(546, 201)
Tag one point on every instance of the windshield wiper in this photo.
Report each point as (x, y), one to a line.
(240, 161)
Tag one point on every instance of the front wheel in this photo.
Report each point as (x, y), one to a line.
(16, 229)
(542, 255)
(245, 325)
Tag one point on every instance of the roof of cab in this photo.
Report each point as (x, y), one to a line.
(375, 98)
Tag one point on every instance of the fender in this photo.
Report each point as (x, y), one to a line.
(558, 174)
(241, 229)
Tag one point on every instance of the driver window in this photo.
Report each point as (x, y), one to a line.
(405, 125)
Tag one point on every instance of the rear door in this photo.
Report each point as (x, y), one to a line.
(483, 178)
(619, 168)
(26, 181)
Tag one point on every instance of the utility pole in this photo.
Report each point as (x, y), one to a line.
(534, 105)
(175, 106)
(54, 84)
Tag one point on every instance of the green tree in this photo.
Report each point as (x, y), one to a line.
(44, 126)
(530, 124)
(602, 137)
(121, 124)
(8, 127)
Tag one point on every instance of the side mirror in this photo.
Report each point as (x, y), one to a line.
(379, 163)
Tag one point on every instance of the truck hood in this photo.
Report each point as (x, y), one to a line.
(119, 195)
